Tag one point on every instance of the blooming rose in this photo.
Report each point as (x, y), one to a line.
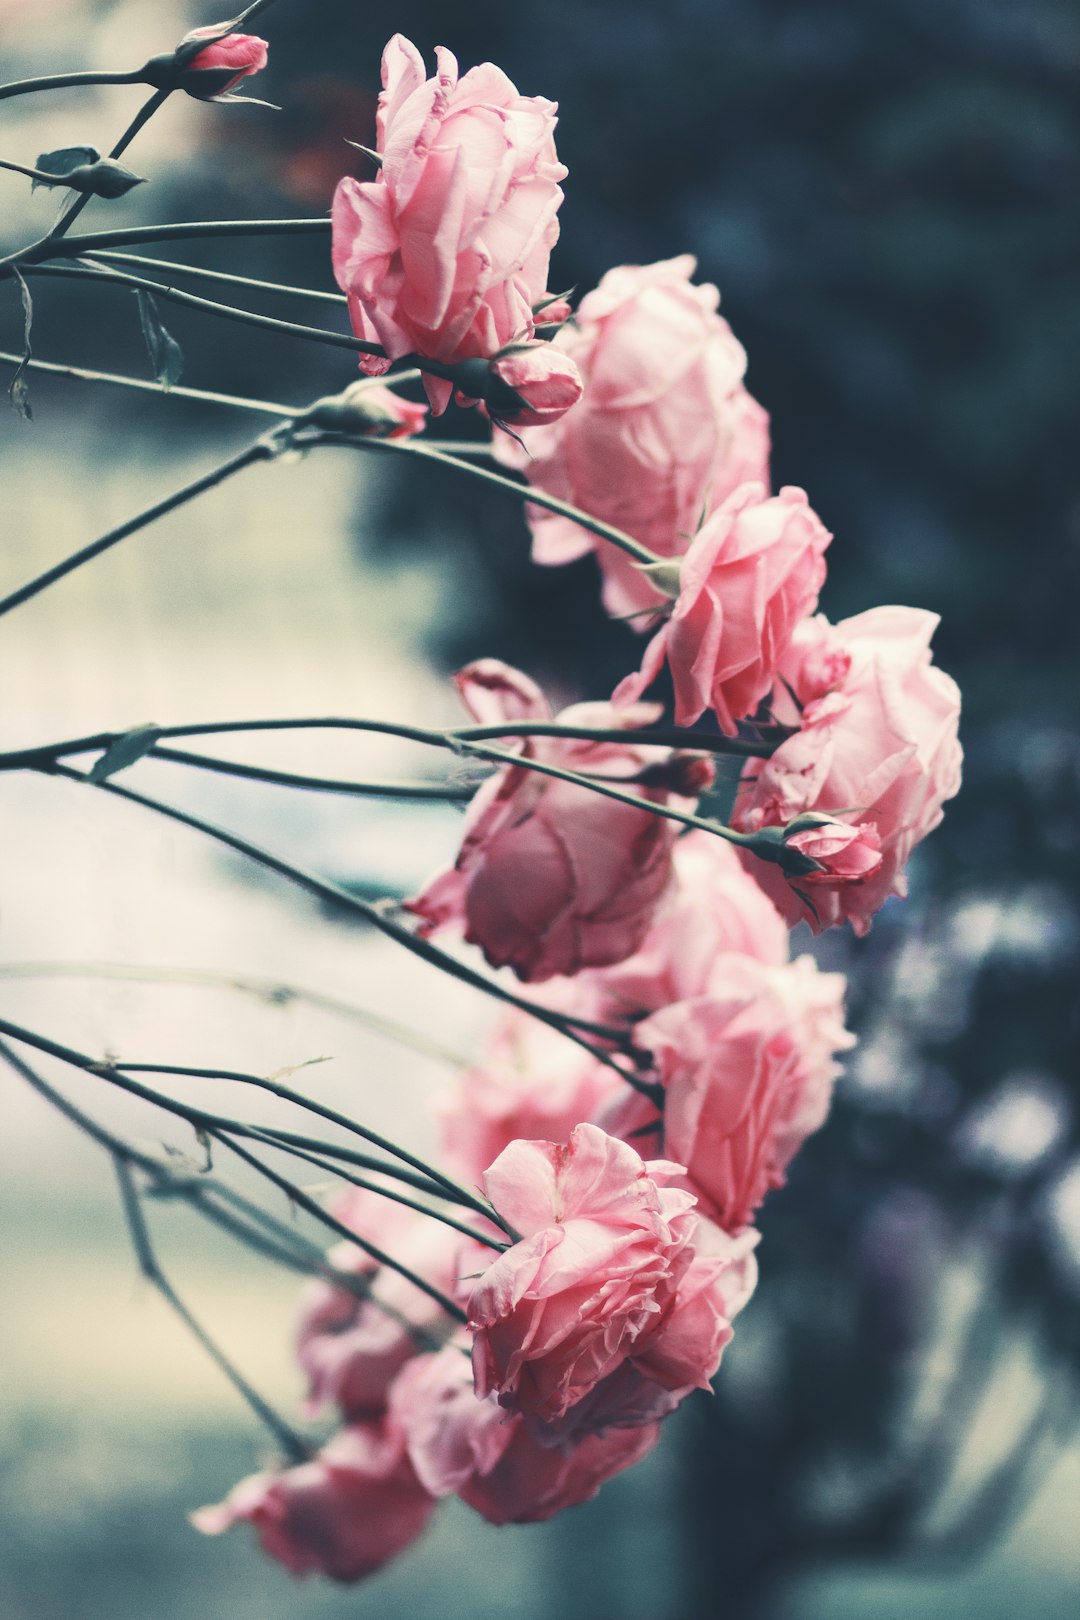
(747, 1072)
(491, 1459)
(355, 1506)
(351, 1348)
(878, 742)
(552, 877)
(235, 54)
(753, 570)
(532, 1084)
(665, 432)
(445, 252)
(604, 1243)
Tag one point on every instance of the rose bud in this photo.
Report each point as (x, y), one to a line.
(540, 385)
(219, 66)
(843, 854)
(368, 409)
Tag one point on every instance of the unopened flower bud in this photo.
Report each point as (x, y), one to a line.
(368, 409)
(211, 69)
(536, 384)
(842, 853)
(686, 775)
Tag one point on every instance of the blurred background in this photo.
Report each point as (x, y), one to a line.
(887, 198)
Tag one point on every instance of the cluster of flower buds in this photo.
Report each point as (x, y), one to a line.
(629, 1195)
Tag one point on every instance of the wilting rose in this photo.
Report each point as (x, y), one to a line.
(459, 1443)
(753, 570)
(445, 252)
(747, 1072)
(530, 1084)
(351, 1348)
(665, 432)
(604, 1242)
(237, 54)
(355, 1506)
(878, 745)
(552, 877)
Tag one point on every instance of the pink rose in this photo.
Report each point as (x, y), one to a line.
(445, 252)
(843, 853)
(236, 54)
(552, 877)
(531, 1084)
(753, 570)
(664, 434)
(490, 1458)
(546, 384)
(879, 743)
(604, 1242)
(747, 1072)
(355, 1506)
(351, 1348)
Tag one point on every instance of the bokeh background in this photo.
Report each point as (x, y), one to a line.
(887, 198)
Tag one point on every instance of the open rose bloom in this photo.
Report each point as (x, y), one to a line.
(446, 251)
(665, 432)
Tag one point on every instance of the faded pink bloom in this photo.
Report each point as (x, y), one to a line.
(241, 54)
(546, 382)
(351, 1348)
(664, 434)
(445, 252)
(879, 743)
(531, 1084)
(845, 854)
(552, 877)
(748, 1071)
(355, 1506)
(753, 570)
(491, 1458)
(604, 1243)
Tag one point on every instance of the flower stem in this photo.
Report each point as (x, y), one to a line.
(200, 273)
(80, 374)
(317, 784)
(67, 81)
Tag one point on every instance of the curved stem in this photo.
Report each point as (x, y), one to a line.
(67, 81)
(264, 407)
(317, 784)
(208, 306)
(261, 450)
(513, 486)
(200, 273)
(180, 231)
(374, 913)
(296, 1449)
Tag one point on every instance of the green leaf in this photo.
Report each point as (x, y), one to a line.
(19, 391)
(124, 751)
(63, 160)
(166, 355)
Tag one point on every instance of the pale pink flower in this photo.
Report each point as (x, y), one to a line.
(239, 54)
(844, 853)
(747, 1071)
(545, 382)
(753, 570)
(531, 1084)
(351, 1348)
(552, 877)
(604, 1242)
(445, 252)
(879, 744)
(490, 1458)
(664, 434)
(344, 1514)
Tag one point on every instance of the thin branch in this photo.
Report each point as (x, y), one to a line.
(318, 784)
(297, 1196)
(263, 449)
(275, 991)
(374, 913)
(80, 374)
(200, 273)
(296, 1449)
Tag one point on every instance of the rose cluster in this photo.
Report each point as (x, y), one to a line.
(623, 1173)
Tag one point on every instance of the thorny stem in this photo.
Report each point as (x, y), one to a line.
(296, 1449)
